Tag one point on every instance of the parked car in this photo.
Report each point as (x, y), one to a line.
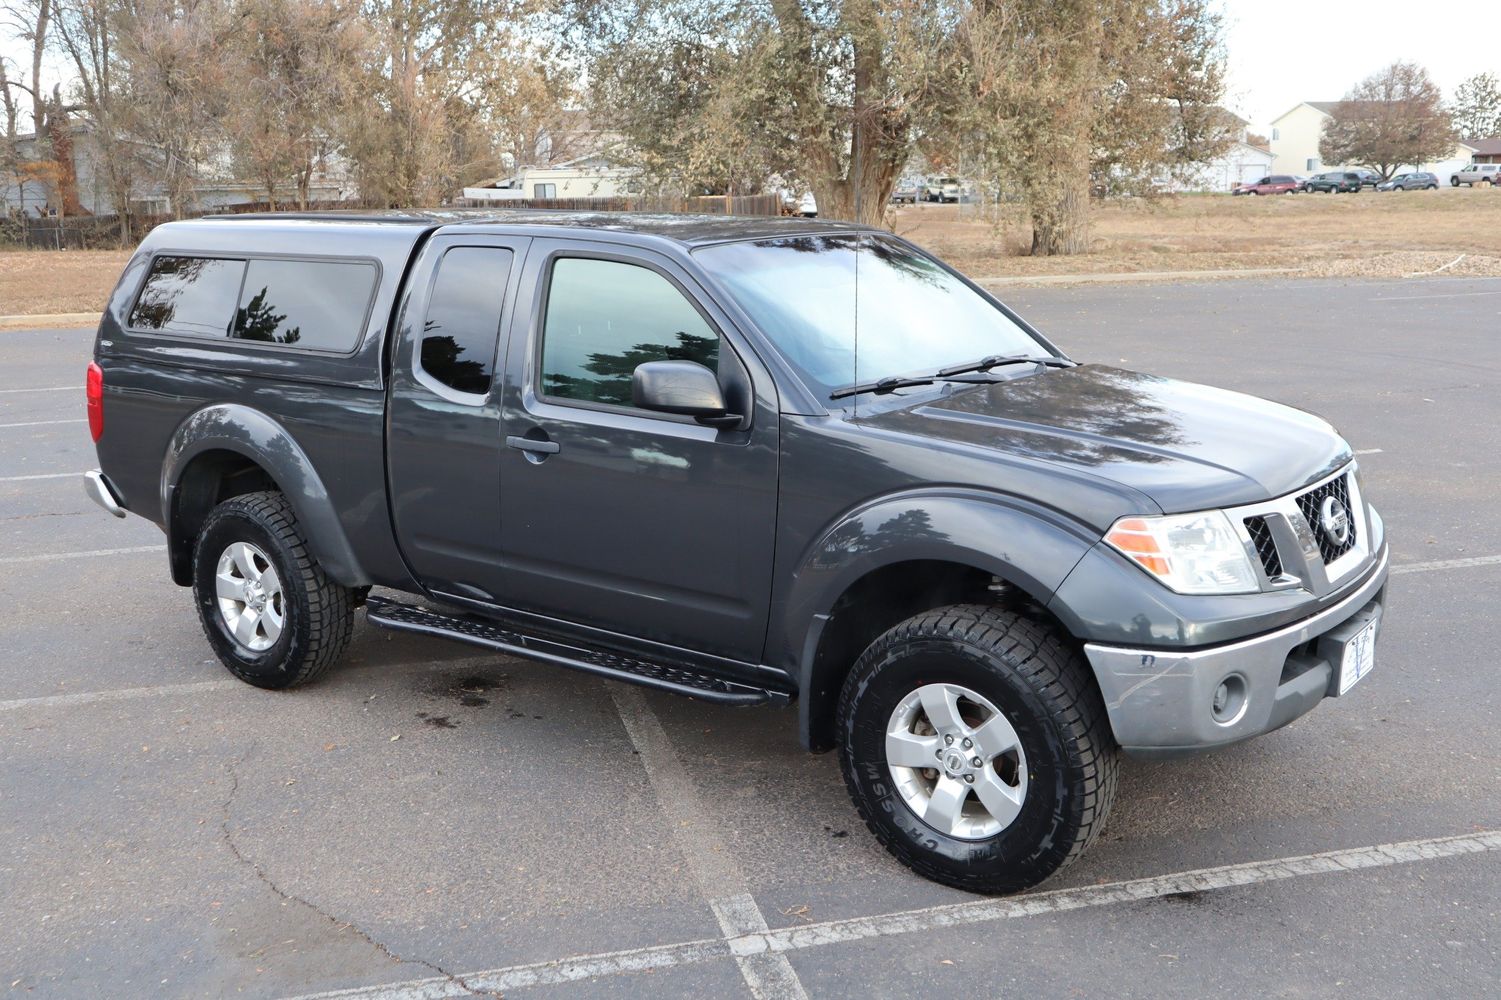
(942, 189)
(696, 454)
(1410, 182)
(1275, 184)
(1484, 174)
(807, 206)
(1368, 178)
(1345, 181)
(905, 192)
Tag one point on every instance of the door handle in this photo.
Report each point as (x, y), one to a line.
(532, 445)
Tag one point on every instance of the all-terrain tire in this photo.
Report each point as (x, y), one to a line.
(317, 613)
(1041, 683)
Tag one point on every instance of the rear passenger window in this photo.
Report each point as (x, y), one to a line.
(604, 318)
(192, 295)
(316, 304)
(462, 325)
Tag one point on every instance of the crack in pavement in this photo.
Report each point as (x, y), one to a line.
(234, 849)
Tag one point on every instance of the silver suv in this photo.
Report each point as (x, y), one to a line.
(1478, 173)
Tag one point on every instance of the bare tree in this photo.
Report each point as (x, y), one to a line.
(174, 57)
(1392, 118)
(300, 56)
(1477, 107)
(85, 33)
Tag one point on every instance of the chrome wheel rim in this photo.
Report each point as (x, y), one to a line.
(956, 760)
(249, 595)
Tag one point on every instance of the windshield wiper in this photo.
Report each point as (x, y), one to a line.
(887, 384)
(996, 360)
(894, 382)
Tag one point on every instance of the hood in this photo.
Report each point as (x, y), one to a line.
(1185, 446)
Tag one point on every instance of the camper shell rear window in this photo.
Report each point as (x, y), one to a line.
(302, 303)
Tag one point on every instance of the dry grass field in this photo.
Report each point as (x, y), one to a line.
(1364, 235)
(51, 281)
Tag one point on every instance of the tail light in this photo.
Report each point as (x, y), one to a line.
(96, 400)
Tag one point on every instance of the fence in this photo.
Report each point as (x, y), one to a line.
(752, 204)
(100, 231)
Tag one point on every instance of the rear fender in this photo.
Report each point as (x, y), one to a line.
(248, 432)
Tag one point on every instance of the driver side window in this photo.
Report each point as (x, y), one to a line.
(604, 318)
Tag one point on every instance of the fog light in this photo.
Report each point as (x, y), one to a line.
(1229, 700)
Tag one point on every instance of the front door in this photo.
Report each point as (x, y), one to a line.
(443, 417)
(639, 524)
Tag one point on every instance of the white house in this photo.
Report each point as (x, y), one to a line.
(591, 176)
(1240, 163)
(1295, 144)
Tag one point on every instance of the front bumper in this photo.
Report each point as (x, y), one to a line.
(1161, 702)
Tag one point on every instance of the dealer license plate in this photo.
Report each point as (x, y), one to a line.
(1359, 658)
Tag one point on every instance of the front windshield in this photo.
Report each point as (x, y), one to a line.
(818, 297)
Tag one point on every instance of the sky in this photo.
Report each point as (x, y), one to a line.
(1280, 54)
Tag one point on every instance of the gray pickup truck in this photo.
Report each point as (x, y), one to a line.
(749, 461)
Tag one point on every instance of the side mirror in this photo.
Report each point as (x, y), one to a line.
(684, 387)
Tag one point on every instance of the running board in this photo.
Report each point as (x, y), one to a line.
(614, 666)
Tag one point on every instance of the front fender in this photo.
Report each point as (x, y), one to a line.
(1026, 545)
(248, 432)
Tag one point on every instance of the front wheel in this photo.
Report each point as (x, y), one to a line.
(977, 749)
(271, 614)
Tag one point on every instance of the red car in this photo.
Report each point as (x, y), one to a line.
(1276, 184)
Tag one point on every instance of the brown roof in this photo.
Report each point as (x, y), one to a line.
(1485, 147)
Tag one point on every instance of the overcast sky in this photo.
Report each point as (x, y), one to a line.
(1281, 54)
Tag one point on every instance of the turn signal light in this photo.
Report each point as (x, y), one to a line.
(1134, 537)
(95, 395)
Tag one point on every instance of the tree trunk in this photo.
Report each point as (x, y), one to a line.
(1059, 201)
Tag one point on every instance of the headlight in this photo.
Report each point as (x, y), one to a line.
(1190, 553)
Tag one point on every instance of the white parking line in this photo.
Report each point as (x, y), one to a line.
(51, 388)
(1428, 567)
(49, 475)
(193, 687)
(44, 423)
(780, 942)
(768, 974)
(119, 694)
(1437, 295)
(50, 556)
(1368, 451)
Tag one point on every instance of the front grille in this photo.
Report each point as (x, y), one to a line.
(1310, 503)
(1266, 548)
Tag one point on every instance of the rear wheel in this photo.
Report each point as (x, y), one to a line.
(271, 614)
(976, 747)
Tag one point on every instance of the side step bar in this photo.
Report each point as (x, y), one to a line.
(614, 666)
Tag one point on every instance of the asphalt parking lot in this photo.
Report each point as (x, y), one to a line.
(425, 822)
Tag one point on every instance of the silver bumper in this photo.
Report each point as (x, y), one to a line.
(98, 489)
(1163, 701)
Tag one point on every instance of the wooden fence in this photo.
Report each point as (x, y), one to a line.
(99, 231)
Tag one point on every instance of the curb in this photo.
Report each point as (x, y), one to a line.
(47, 320)
(1127, 276)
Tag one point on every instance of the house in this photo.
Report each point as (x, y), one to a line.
(1241, 163)
(1485, 150)
(215, 187)
(1295, 144)
(592, 176)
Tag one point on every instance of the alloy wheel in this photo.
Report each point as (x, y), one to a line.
(956, 761)
(249, 594)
